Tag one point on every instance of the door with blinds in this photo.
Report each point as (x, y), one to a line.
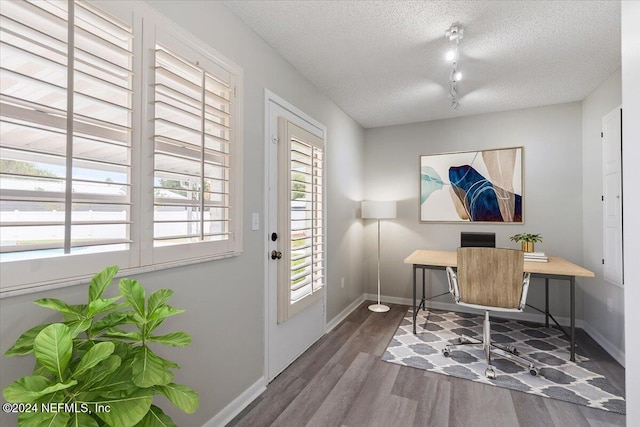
(296, 232)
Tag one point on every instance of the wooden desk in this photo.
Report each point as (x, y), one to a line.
(556, 268)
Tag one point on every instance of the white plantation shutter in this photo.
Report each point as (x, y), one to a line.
(193, 141)
(301, 162)
(106, 128)
(66, 114)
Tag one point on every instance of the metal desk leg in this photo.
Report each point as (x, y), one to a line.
(572, 280)
(423, 302)
(415, 312)
(546, 302)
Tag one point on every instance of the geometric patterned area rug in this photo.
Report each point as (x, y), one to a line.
(558, 377)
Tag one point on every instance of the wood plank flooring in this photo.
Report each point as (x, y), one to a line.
(341, 381)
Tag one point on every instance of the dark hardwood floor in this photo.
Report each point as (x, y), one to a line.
(342, 381)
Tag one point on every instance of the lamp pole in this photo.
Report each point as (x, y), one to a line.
(378, 308)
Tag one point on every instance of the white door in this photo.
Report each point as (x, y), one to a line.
(296, 266)
(612, 196)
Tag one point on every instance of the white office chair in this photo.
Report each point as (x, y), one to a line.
(492, 280)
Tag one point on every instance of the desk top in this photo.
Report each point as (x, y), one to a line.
(559, 266)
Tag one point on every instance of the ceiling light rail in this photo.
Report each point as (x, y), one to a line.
(454, 34)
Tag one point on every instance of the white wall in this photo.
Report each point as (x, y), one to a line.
(551, 137)
(631, 178)
(224, 299)
(607, 327)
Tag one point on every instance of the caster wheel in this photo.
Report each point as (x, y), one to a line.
(490, 373)
(533, 372)
(446, 351)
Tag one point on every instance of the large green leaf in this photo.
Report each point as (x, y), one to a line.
(182, 396)
(149, 369)
(31, 388)
(152, 325)
(121, 334)
(26, 389)
(81, 310)
(122, 350)
(81, 419)
(157, 299)
(100, 305)
(40, 370)
(102, 371)
(119, 380)
(111, 320)
(57, 305)
(97, 354)
(78, 326)
(125, 411)
(44, 419)
(134, 293)
(156, 418)
(58, 386)
(101, 281)
(24, 344)
(53, 348)
(169, 363)
(163, 312)
(175, 339)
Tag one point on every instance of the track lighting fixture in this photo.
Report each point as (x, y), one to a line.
(454, 34)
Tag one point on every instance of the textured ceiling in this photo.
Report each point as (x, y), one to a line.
(383, 62)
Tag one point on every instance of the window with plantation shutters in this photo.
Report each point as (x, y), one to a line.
(301, 189)
(66, 114)
(118, 143)
(192, 156)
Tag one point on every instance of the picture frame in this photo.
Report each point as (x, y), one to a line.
(484, 186)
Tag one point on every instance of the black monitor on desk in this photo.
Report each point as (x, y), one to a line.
(477, 240)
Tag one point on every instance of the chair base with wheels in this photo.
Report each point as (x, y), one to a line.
(509, 352)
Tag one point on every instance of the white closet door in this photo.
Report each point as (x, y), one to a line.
(612, 196)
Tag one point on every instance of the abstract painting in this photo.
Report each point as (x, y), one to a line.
(474, 186)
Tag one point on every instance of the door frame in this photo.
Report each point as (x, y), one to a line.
(269, 97)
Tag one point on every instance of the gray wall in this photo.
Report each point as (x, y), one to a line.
(551, 137)
(224, 299)
(606, 326)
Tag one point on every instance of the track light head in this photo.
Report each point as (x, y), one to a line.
(455, 33)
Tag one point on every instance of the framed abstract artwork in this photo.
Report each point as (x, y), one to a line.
(473, 186)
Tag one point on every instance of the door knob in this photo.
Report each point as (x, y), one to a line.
(276, 254)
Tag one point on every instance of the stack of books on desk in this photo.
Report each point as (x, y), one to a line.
(535, 257)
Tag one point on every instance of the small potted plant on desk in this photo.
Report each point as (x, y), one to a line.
(527, 240)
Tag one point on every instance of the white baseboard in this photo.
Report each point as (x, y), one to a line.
(344, 313)
(238, 404)
(451, 306)
(608, 346)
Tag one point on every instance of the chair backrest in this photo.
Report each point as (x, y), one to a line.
(490, 277)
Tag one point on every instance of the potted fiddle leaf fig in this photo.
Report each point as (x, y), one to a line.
(97, 365)
(527, 240)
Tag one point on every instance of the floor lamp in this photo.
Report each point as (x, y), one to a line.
(378, 210)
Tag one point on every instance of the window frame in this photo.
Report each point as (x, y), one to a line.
(33, 275)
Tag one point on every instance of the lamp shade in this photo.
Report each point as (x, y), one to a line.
(378, 210)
